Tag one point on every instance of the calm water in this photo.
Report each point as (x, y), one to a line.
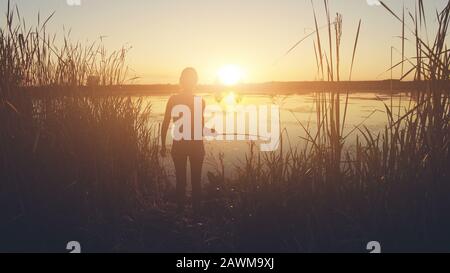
(363, 108)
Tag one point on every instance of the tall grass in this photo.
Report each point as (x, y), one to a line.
(393, 187)
(85, 167)
(33, 57)
(72, 166)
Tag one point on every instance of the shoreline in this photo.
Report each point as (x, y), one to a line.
(270, 88)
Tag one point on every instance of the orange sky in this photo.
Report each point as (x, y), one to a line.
(168, 35)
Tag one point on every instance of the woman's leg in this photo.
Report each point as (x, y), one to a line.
(180, 162)
(196, 162)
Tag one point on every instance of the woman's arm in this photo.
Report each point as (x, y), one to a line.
(203, 115)
(165, 126)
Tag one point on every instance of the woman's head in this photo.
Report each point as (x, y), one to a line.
(188, 79)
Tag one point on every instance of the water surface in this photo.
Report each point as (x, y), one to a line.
(295, 110)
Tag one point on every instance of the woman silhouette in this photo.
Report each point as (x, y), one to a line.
(184, 149)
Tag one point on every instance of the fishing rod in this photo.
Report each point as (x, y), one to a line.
(237, 134)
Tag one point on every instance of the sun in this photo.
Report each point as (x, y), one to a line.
(230, 74)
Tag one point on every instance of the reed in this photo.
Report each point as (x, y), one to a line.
(77, 165)
(392, 187)
(85, 166)
(32, 57)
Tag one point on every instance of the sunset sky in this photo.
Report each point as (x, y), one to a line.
(168, 35)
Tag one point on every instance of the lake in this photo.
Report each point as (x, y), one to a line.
(363, 108)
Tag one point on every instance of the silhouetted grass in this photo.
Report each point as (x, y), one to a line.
(393, 187)
(86, 167)
(72, 166)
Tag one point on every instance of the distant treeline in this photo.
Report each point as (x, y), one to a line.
(254, 88)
